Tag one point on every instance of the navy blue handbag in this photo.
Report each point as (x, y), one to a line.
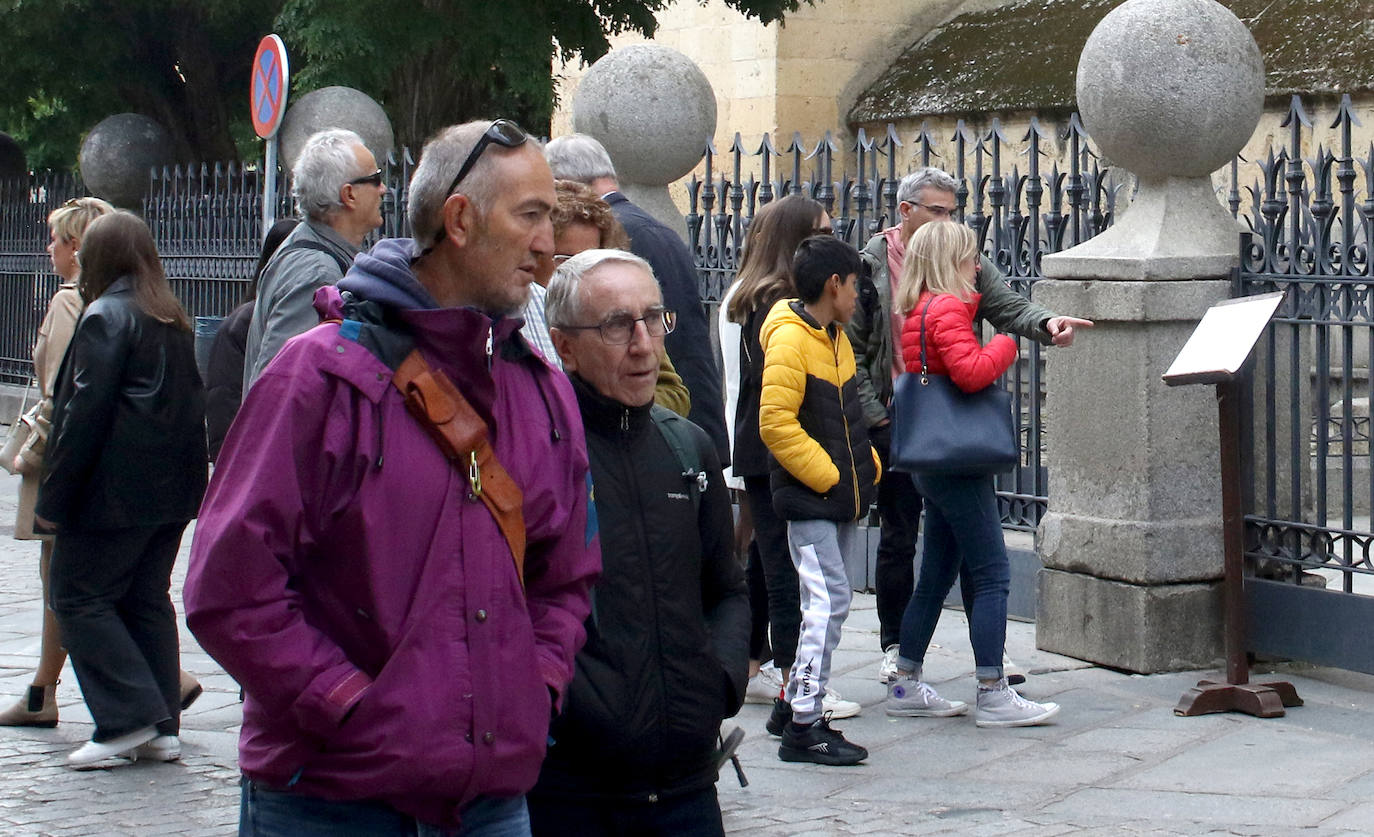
(938, 428)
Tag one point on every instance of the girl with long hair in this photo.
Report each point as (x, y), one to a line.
(764, 277)
(125, 472)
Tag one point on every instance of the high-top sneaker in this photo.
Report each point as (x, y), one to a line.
(910, 698)
(1001, 706)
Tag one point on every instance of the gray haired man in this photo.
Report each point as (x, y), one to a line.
(926, 194)
(338, 189)
(582, 158)
(634, 749)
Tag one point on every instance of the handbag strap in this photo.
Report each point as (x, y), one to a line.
(462, 436)
(925, 373)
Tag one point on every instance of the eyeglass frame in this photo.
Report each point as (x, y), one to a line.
(936, 210)
(666, 315)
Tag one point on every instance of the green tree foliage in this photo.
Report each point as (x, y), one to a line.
(71, 63)
(437, 62)
(186, 63)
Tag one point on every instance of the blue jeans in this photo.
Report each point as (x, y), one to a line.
(269, 813)
(963, 527)
(695, 814)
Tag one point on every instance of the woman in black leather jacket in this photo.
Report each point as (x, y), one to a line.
(125, 472)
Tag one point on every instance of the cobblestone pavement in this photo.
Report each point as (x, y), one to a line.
(1116, 762)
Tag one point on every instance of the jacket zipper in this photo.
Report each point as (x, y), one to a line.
(839, 388)
(627, 458)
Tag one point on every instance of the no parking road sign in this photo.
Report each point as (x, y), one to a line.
(270, 74)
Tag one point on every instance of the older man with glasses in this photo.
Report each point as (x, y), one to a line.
(394, 555)
(338, 189)
(634, 750)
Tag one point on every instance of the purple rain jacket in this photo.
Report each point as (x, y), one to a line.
(370, 608)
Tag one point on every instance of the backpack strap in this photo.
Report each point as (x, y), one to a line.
(675, 432)
(343, 263)
(462, 437)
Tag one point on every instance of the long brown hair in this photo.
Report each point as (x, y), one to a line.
(117, 246)
(765, 275)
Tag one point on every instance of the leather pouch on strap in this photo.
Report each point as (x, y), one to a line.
(462, 436)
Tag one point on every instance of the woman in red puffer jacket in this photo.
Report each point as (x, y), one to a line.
(963, 524)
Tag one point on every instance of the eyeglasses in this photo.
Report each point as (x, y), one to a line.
(375, 179)
(823, 231)
(504, 133)
(619, 329)
(936, 210)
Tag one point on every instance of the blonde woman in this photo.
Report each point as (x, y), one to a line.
(66, 224)
(937, 294)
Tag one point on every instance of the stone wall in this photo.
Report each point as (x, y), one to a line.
(799, 76)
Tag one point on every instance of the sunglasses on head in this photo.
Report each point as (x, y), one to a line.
(504, 133)
(374, 179)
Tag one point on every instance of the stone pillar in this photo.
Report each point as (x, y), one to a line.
(1170, 90)
(654, 111)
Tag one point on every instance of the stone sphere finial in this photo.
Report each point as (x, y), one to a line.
(652, 108)
(118, 155)
(335, 107)
(1170, 88)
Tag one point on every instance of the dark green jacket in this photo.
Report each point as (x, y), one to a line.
(870, 332)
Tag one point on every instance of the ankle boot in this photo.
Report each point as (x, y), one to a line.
(38, 708)
(190, 690)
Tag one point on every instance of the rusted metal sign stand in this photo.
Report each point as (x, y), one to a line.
(1218, 353)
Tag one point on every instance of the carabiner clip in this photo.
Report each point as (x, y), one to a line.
(474, 474)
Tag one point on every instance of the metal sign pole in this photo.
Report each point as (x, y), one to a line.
(269, 186)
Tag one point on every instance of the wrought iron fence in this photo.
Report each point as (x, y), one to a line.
(1018, 215)
(206, 220)
(1312, 222)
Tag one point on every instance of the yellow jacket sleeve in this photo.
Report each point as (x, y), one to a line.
(670, 391)
(784, 385)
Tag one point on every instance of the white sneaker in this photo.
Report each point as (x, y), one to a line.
(1015, 674)
(887, 671)
(93, 752)
(162, 748)
(1001, 706)
(837, 707)
(908, 698)
(765, 685)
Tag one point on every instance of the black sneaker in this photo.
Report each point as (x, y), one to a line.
(781, 717)
(819, 744)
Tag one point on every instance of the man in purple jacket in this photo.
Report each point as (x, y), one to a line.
(399, 671)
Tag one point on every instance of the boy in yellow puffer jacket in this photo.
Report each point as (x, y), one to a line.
(824, 474)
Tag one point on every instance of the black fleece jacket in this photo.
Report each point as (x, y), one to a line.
(667, 647)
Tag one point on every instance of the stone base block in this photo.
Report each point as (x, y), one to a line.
(1139, 628)
(1174, 551)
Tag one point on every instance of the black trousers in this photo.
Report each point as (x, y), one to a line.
(110, 591)
(691, 815)
(780, 576)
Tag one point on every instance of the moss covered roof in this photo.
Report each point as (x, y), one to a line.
(1023, 56)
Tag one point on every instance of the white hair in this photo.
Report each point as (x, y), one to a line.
(579, 157)
(326, 163)
(563, 303)
(925, 177)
